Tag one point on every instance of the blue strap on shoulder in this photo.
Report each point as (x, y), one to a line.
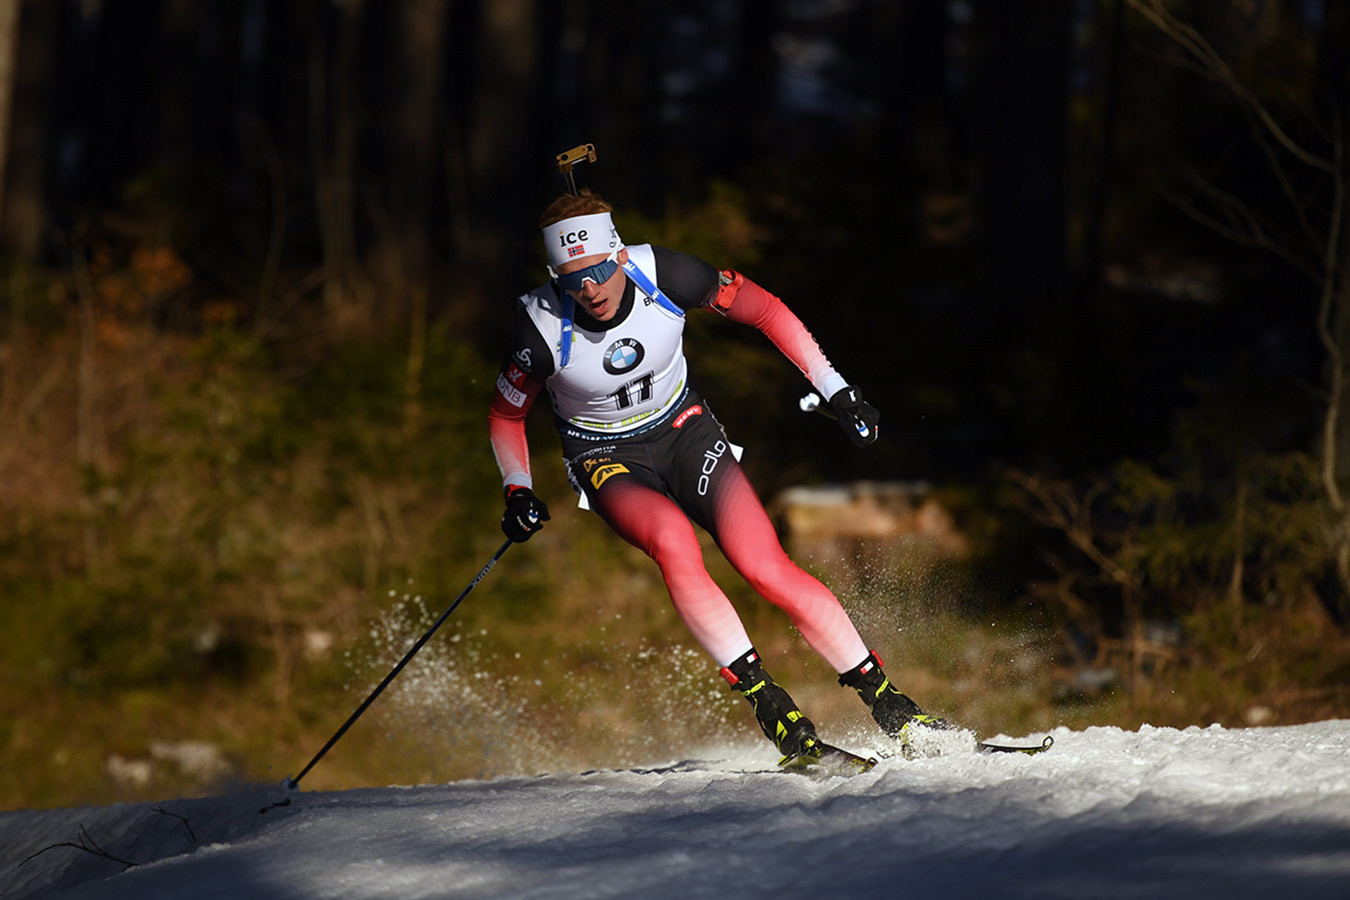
(648, 287)
(568, 307)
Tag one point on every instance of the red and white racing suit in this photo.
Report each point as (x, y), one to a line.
(646, 451)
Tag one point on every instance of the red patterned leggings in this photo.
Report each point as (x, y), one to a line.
(648, 488)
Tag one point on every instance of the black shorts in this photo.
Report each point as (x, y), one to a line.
(685, 457)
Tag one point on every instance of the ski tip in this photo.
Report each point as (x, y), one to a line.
(1029, 750)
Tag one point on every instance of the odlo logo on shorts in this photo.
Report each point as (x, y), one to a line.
(710, 460)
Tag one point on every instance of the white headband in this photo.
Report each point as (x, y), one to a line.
(580, 236)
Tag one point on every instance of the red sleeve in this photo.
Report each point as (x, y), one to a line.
(511, 402)
(741, 300)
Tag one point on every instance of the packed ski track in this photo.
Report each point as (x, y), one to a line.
(1158, 812)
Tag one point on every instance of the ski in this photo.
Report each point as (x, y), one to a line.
(908, 750)
(826, 759)
(1029, 750)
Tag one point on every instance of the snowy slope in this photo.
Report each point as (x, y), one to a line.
(1106, 813)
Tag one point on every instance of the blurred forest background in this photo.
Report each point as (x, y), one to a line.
(1088, 257)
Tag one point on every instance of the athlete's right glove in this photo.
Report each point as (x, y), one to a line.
(525, 514)
(858, 419)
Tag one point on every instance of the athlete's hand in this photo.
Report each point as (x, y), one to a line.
(525, 514)
(858, 419)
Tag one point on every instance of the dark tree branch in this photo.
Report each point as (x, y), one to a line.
(191, 835)
(88, 845)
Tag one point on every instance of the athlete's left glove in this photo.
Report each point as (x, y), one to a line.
(858, 419)
(525, 514)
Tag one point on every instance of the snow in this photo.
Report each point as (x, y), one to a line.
(1106, 813)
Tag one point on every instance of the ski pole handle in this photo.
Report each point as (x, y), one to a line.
(811, 402)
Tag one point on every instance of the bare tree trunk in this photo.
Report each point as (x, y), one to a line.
(459, 94)
(1093, 250)
(27, 381)
(9, 46)
(1332, 90)
(1333, 329)
(412, 376)
(23, 197)
(86, 407)
(333, 130)
(10, 362)
(1134, 631)
(276, 626)
(276, 226)
(421, 36)
(1238, 572)
(501, 144)
(1025, 106)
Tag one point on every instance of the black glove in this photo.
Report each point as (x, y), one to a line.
(858, 419)
(525, 514)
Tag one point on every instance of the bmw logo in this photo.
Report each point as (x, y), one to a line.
(623, 355)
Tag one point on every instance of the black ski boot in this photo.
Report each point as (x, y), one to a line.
(783, 723)
(893, 711)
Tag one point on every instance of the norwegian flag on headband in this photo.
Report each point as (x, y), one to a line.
(578, 236)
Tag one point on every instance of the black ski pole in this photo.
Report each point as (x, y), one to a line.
(292, 783)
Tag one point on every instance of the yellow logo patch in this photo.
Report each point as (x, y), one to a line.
(602, 474)
(589, 464)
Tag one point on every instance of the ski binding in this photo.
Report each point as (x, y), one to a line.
(825, 760)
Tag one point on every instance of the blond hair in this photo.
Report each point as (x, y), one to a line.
(567, 206)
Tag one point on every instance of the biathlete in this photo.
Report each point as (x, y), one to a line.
(645, 452)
